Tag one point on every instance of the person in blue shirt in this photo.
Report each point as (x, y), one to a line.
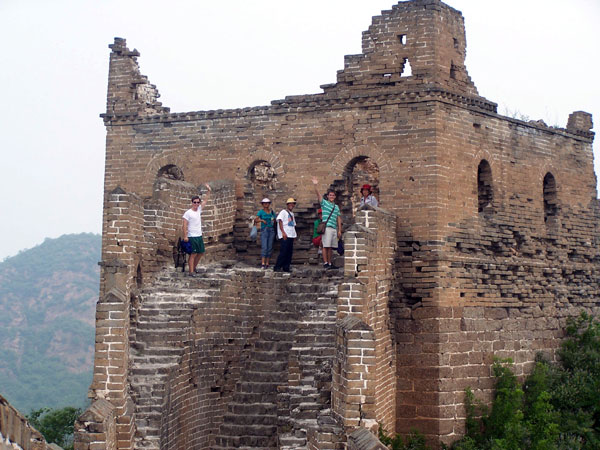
(266, 217)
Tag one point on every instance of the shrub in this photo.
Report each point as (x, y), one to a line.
(558, 406)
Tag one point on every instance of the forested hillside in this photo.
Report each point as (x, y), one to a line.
(47, 303)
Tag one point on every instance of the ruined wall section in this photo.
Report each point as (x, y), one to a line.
(129, 92)
(515, 256)
(425, 35)
(535, 241)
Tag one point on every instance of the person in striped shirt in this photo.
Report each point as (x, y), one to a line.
(333, 231)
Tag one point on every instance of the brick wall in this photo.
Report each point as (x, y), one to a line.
(490, 235)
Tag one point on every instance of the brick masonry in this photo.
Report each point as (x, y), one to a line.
(17, 433)
(485, 242)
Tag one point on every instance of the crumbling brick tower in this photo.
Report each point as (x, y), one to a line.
(487, 240)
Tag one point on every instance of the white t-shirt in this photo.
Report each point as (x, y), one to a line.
(369, 201)
(289, 224)
(194, 220)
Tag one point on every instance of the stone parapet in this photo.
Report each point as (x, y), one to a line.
(17, 433)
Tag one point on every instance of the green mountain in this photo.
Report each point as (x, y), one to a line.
(48, 296)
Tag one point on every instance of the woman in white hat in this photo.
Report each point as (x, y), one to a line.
(266, 217)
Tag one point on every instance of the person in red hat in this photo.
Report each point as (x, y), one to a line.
(366, 196)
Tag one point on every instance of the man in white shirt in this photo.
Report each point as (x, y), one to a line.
(286, 231)
(192, 229)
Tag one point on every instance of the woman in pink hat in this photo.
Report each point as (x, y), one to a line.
(266, 217)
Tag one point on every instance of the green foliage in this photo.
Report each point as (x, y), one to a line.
(57, 425)
(415, 441)
(557, 408)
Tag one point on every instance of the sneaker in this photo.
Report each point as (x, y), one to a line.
(325, 265)
(331, 266)
(263, 267)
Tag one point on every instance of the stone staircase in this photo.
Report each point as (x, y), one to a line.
(159, 325)
(285, 386)
(288, 379)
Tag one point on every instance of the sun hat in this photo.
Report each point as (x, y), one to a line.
(290, 200)
(265, 200)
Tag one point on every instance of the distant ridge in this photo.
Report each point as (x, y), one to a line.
(47, 305)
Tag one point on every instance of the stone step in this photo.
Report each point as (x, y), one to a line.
(155, 360)
(160, 326)
(255, 397)
(256, 387)
(250, 419)
(267, 377)
(245, 442)
(266, 355)
(150, 369)
(252, 408)
(268, 366)
(267, 431)
(167, 335)
(290, 441)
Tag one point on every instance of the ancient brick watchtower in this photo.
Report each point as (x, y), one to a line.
(486, 240)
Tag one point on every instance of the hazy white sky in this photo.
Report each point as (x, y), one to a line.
(538, 57)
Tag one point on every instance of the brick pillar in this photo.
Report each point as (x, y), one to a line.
(370, 246)
(353, 387)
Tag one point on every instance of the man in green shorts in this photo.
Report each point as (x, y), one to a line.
(192, 229)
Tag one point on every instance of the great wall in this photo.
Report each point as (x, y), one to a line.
(485, 242)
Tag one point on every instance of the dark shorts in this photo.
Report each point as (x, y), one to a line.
(197, 244)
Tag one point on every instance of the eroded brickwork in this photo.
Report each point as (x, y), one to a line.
(486, 240)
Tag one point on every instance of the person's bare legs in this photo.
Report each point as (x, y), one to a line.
(194, 260)
(327, 254)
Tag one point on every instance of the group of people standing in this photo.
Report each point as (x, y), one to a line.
(284, 224)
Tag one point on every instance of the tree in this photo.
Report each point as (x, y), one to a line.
(57, 425)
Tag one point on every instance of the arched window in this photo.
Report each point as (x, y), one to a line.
(262, 175)
(550, 200)
(485, 193)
